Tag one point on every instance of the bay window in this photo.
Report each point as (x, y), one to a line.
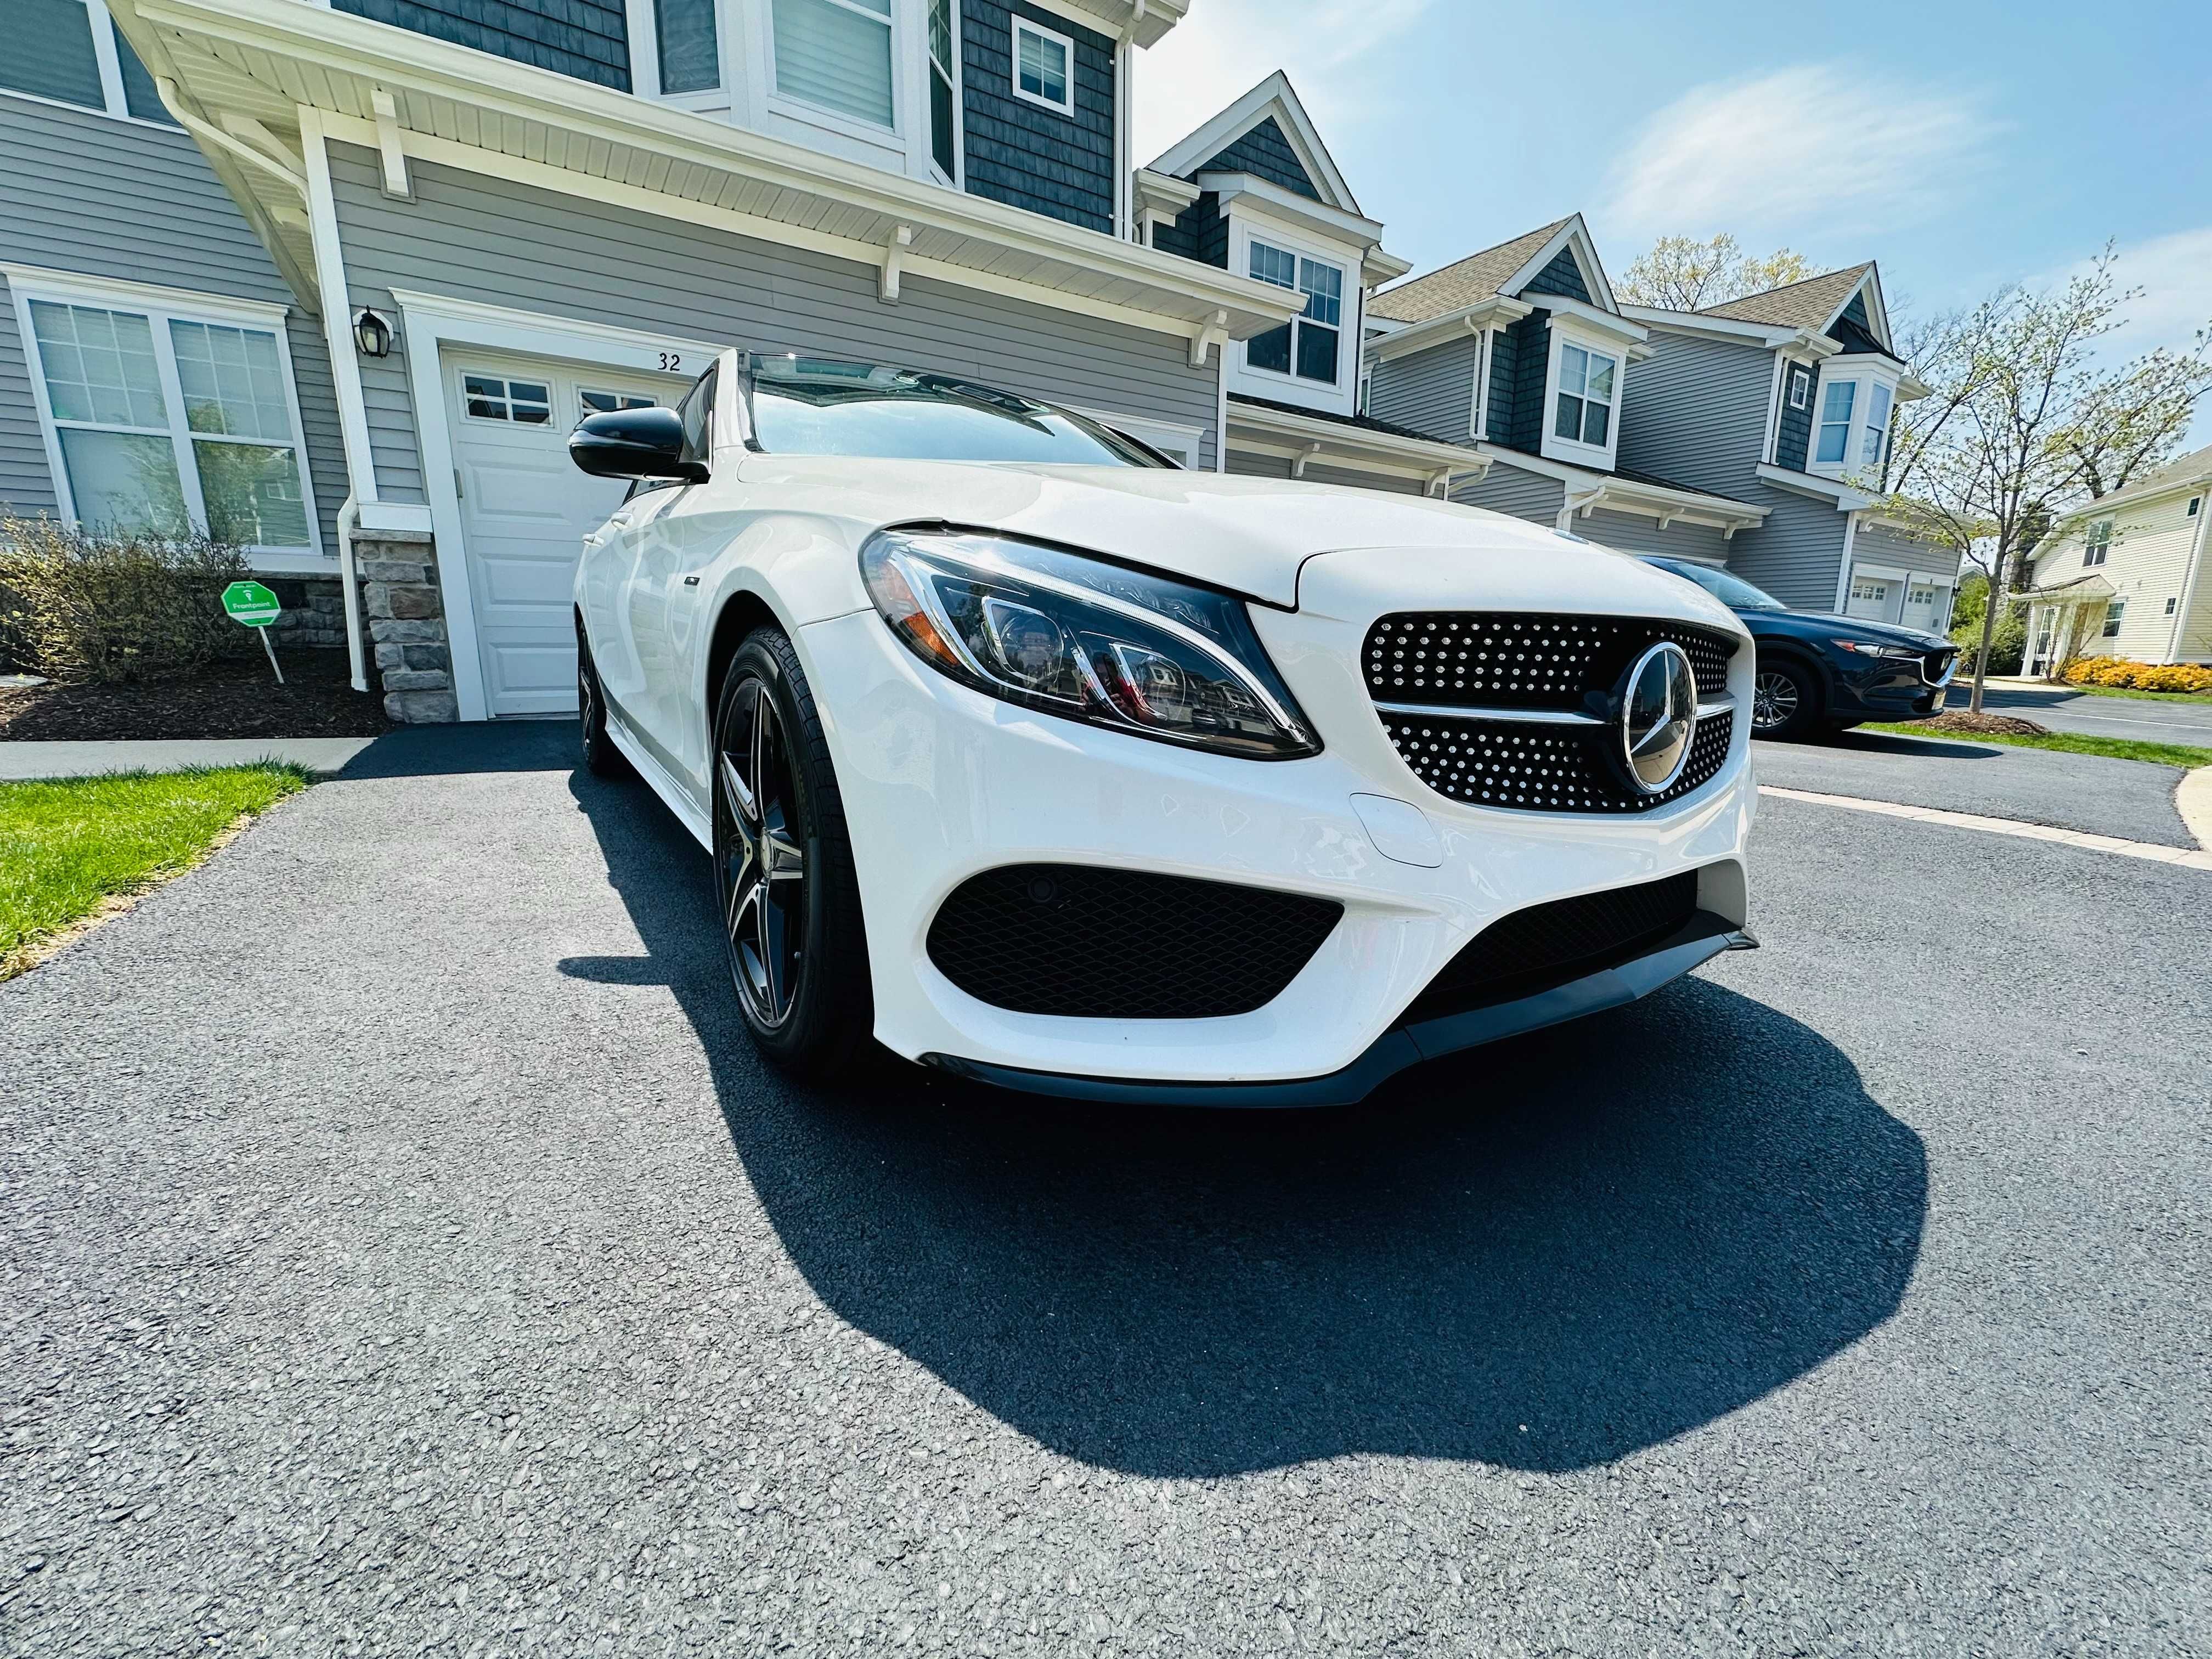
(1309, 347)
(166, 424)
(1582, 410)
(686, 46)
(837, 55)
(1879, 398)
(1837, 401)
(943, 146)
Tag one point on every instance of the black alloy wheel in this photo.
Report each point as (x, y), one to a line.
(783, 867)
(601, 758)
(1784, 704)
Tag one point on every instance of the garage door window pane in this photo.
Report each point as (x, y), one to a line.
(526, 403)
(124, 481)
(50, 52)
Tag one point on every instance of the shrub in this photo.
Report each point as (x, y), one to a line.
(79, 604)
(2138, 676)
(2007, 647)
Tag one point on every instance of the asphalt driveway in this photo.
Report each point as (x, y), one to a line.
(404, 1250)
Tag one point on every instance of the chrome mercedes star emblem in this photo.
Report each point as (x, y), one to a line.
(1658, 713)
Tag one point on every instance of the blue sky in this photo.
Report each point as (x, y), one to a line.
(1963, 146)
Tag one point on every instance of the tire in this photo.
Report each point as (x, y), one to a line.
(1785, 703)
(798, 964)
(601, 758)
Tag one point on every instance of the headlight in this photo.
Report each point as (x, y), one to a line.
(1868, 648)
(1086, 639)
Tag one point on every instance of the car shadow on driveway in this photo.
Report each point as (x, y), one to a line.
(1886, 743)
(1545, 1255)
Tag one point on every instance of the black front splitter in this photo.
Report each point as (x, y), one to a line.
(1701, 939)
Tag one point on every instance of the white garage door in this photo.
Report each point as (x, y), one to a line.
(1924, 605)
(524, 510)
(1870, 598)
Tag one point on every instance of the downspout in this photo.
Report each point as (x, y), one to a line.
(337, 334)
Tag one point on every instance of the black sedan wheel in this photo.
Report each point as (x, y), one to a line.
(783, 867)
(1784, 702)
(601, 757)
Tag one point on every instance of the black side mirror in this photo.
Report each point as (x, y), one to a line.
(634, 443)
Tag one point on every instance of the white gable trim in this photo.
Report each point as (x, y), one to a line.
(1877, 313)
(1578, 234)
(1272, 97)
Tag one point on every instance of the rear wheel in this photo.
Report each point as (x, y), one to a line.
(1785, 703)
(783, 867)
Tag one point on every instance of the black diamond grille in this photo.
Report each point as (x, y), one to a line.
(1515, 659)
(1547, 944)
(1071, 940)
(1538, 766)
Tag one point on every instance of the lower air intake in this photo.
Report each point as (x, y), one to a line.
(1549, 945)
(1092, 943)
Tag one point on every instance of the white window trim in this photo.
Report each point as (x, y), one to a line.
(159, 305)
(1023, 26)
(110, 62)
(1864, 377)
(930, 169)
(1241, 255)
(1800, 379)
(877, 140)
(1573, 449)
(644, 32)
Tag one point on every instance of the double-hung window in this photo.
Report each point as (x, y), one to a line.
(69, 51)
(1581, 412)
(2097, 544)
(2113, 614)
(837, 55)
(1044, 66)
(686, 45)
(944, 144)
(1879, 401)
(1309, 347)
(165, 422)
(1837, 403)
(1801, 387)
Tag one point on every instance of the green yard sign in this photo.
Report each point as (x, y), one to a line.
(252, 604)
(255, 606)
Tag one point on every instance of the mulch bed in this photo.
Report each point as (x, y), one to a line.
(1969, 723)
(237, 699)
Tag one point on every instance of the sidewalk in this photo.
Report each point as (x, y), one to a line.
(80, 760)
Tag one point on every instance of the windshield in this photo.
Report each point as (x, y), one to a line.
(1731, 590)
(820, 406)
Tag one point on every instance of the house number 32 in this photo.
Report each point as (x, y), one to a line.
(671, 360)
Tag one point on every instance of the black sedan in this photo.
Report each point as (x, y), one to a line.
(1817, 670)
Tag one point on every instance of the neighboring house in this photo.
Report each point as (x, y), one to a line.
(1254, 191)
(1522, 352)
(2127, 577)
(152, 365)
(508, 213)
(1785, 399)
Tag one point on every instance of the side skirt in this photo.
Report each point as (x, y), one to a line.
(657, 775)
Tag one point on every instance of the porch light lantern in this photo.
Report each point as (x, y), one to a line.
(372, 333)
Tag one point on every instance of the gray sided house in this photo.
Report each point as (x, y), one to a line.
(1786, 399)
(479, 220)
(1254, 192)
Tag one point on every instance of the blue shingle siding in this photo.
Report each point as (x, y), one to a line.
(588, 39)
(1793, 428)
(1199, 232)
(1265, 154)
(1856, 313)
(1020, 153)
(1563, 276)
(1518, 365)
(1432, 392)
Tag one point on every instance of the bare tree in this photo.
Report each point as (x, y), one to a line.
(1685, 274)
(2025, 425)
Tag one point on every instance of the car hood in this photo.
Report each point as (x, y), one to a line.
(1826, 624)
(1250, 536)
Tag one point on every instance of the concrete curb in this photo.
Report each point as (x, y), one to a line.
(2192, 799)
(2017, 826)
(84, 760)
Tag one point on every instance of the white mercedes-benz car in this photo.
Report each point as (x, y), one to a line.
(1045, 762)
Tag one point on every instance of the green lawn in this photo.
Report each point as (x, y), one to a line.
(2184, 754)
(2146, 696)
(68, 844)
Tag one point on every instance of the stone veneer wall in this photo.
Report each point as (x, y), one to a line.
(405, 617)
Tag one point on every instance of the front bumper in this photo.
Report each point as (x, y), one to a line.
(939, 782)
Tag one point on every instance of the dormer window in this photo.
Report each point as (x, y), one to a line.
(1044, 67)
(1309, 347)
(1582, 409)
(836, 54)
(1836, 406)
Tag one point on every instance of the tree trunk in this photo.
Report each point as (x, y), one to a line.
(1997, 597)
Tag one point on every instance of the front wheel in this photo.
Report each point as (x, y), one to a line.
(1784, 704)
(783, 867)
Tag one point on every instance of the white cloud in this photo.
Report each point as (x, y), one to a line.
(1814, 151)
(1225, 46)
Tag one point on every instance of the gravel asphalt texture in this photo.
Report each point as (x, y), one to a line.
(401, 1251)
(2089, 792)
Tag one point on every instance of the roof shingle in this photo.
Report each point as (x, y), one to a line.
(1808, 304)
(1457, 286)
